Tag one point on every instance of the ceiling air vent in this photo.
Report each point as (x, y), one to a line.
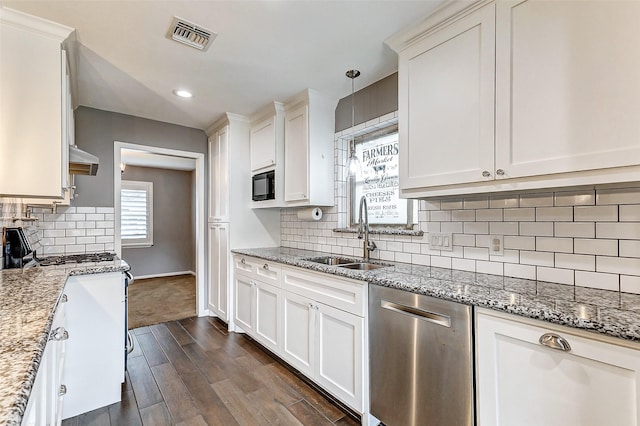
(190, 34)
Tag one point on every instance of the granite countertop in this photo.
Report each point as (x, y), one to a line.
(28, 300)
(607, 312)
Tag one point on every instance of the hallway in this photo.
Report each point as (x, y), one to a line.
(157, 300)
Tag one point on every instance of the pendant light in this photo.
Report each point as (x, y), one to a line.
(355, 167)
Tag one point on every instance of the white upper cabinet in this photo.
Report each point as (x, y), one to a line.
(309, 128)
(446, 93)
(267, 138)
(33, 106)
(267, 150)
(568, 86)
(558, 81)
(219, 175)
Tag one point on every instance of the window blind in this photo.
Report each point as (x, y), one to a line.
(136, 213)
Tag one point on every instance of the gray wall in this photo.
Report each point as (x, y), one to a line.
(174, 243)
(97, 130)
(373, 101)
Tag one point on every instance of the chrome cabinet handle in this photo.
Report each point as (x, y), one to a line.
(130, 344)
(64, 298)
(266, 267)
(555, 341)
(486, 173)
(63, 390)
(59, 334)
(500, 172)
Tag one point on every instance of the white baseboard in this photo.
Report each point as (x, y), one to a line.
(166, 274)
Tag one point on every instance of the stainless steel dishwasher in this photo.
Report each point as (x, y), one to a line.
(421, 359)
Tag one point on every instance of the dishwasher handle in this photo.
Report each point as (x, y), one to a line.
(417, 313)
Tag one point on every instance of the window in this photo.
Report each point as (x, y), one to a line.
(136, 214)
(379, 181)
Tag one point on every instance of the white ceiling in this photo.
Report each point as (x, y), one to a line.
(265, 51)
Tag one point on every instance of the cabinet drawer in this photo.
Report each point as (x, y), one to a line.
(244, 265)
(342, 293)
(258, 269)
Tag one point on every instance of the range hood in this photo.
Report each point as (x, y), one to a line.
(81, 162)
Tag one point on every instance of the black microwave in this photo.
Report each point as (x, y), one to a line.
(264, 186)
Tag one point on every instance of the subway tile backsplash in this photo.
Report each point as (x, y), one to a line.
(74, 230)
(594, 246)
(583, 237)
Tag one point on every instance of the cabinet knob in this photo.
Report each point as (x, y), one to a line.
(266, 267)
(500, 172)
(59, 334)
(64, 298)
(555, 341)
(486, 173)
(253, 283)
(243, 261)
(62, 390)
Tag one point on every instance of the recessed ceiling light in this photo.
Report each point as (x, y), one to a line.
(182, 93)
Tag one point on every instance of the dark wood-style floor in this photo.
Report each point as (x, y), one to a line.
(191, 372)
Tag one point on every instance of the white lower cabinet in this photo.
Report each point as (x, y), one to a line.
(267, 309)
(298, 338)
(94, 369)
(313, 321)
(44, 406)
(257, 299)
(326, 344)
(587, 379)
(243, 302)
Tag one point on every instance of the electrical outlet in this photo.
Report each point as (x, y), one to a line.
(496, 245)
(441, 241)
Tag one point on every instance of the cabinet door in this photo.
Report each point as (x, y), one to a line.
(568, 86)
(340, 342)
(267, 314)
(219, 176)
(218, 269)
(521, 382)
(298, 337)
(32, 120)
(296, 161)
(263, 144)
(95, 348)
(244, 302)
(446, 102)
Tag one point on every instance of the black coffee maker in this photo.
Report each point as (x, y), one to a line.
(16, 250)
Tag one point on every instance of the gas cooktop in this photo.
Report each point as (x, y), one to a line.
(76, 258)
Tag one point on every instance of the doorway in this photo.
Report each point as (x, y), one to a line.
(129, 154)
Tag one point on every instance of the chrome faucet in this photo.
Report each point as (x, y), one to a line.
(363, 229)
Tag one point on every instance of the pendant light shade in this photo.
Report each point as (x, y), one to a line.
(355, 167)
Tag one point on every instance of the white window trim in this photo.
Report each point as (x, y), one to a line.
(148, 187)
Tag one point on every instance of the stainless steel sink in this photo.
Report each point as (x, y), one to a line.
(363, 266)
(332, 260)
(345, 262)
